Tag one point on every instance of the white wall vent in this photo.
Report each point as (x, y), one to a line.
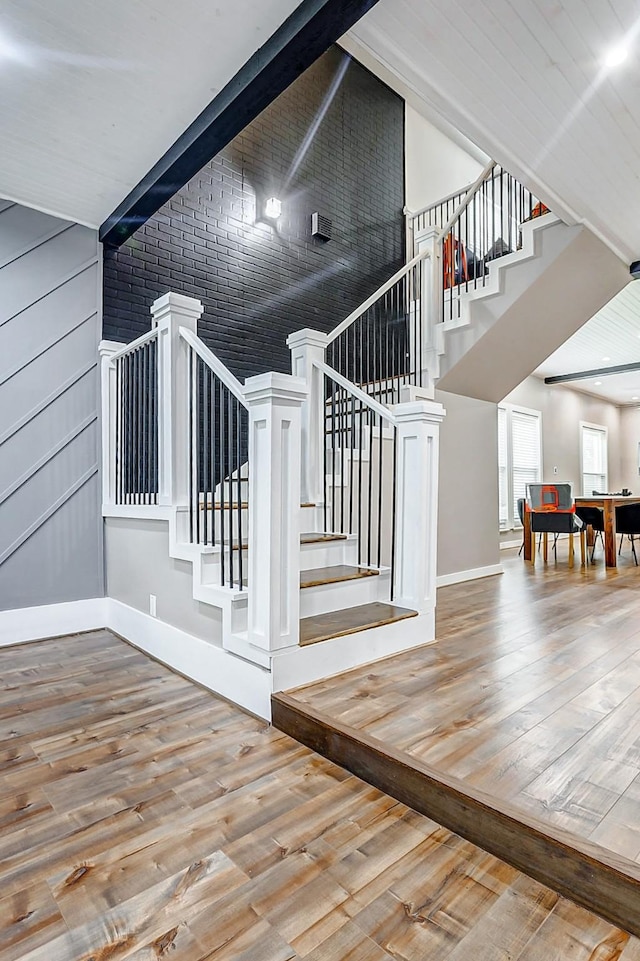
(321, 226)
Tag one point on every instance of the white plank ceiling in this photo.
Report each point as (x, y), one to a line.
(524, 80)
(94, 92)
(610, 338)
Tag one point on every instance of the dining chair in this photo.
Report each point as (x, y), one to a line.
(553, 511)
(592, 517)
(628, 523)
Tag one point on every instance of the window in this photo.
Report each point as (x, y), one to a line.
(593, 458)
(519, 458)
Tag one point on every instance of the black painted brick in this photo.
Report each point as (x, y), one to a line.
(259, 283)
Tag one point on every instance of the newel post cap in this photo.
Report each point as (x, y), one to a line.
(307, 338)
(275, 387)
(177, 305)
(419, 411)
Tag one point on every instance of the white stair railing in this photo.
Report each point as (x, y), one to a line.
(218, 431)
(183, 440)
(381, 483)
(130, 456)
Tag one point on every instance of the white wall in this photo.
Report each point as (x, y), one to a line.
(562, 410)
(435, 165)
(138, 564)
(629, 440)
(468, 521)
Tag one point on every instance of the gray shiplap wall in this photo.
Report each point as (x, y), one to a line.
(50, 522)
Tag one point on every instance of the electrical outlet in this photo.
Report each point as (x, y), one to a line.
(152, 605)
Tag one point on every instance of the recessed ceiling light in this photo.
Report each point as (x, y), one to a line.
(635, 398)
(605, 359)
(615, 56)
(598, 383)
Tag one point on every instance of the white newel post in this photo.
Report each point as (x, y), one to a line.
(274, 402)
(169, 313)
(418, 425)
(431, 295)
(108, 405)
(307, 346)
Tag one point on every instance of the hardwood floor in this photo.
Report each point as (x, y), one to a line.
(532, 694)
(143, 818)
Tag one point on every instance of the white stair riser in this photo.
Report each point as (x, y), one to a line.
(326, 598)
(327, 554)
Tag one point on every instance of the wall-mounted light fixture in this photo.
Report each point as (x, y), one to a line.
(273, 208)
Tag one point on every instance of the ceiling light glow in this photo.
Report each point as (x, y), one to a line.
(615, 56)
(635, 398)
(605, 359)
(598, 383)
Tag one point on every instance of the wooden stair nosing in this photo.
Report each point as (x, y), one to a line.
(336, 574)
(314, 539)
(351, 620)
(232, 505)
(586, 873)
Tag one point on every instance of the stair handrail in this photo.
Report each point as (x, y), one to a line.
(470, 194)
(356, 392)
(215, 364)
(380, 292)
(436, 203)
(134, 344)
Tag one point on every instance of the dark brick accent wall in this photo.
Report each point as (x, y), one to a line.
(332, 142)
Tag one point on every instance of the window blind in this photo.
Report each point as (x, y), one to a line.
(526, 460)
(519, 459)
(594, 459)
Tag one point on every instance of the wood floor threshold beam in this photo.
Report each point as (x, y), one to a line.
(602, 882)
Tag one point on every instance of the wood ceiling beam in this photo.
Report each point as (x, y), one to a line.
(303, 37)
(587, 374)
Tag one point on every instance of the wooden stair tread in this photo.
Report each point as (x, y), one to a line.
(334, 575)
(321, 627)
(233, 505)
(228, 505)
(309, 538)
(315, 538)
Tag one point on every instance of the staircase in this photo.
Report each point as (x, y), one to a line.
(306, 505)
(543, 281)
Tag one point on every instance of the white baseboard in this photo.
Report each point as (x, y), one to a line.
(507, 545)
(246, 684)
(52, 620)
(457, 577)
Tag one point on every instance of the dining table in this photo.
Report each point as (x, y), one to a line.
(607, 503)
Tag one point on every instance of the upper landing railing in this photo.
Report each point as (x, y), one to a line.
(474, 227)
(383, 345)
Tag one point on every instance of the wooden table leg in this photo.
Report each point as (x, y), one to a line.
(527, 536)
(609, 534)
(570, 550)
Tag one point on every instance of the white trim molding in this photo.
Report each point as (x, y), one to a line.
(52, 620)
(203, 661)
(457, 577)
